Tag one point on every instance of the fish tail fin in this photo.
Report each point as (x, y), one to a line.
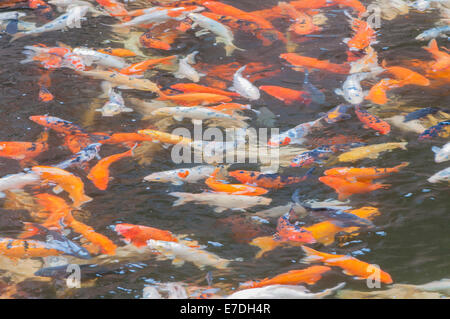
(402, 165)
(183, 198)
(43, 137)
(312, 255)
(169, 60)
(82, 200)
(16, 36)
(265, 244)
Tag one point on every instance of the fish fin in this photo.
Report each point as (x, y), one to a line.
(311, 255)
(182, 199)
(57, 189)
(16, 36)
(178, 262)
(435, 149)
(178, 118)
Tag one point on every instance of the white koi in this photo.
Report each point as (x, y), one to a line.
(244, 87)
(182, 175)
(441, 154)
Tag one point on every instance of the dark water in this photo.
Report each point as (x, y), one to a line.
(411, 240)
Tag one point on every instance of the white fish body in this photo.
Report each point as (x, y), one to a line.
(244, 87)
(441, 154)
(17, 181)
(90, 56)
(179, 253)
(182, 175)
(223, 33)
(434, 33)
(65, 5)
(196, 113)
(295, 135)
(441, 176)
(222, 201)
(70, 19)
(115, 105)
(282, 292)
(11, 15)
(157, 15)
(185, 70)
(352, 90)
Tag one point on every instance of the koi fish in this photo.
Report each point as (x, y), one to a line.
(406, 76)
(99, 174)
(434, 33)
(182, 175)
(303, 23)
(70, 19)
(82, 157)
(165, 137)
(148, 41)
(243, 86)
(24, 152)
(58, 125)
(197, 88)
(185, 70)
(223, 33)
(420, 113)
(105, 244)
(233, 189)
(193, 99)
(115, 105)
(442, 59)
(286, 95)
(266, 180)
(310, 157)
(364, 174)
(441, 154)
(337, 114)
(345, 188)
(122, 80)
(17, 181)
(292, 232)
(441, 176)
(371, 151)
(434, 131)
(310, 276)
(91, 56)
(295, 135)
(42, 7)
(352, 90)
(113, 7)
(372, 121)
(75, 143)
(221, 201)
(350, 265)
(120, 52)
(180, 253)
(196, 114)
(57, 210)
(138, 235)
(66, 181)
(368, 63)
(141, 67)
(377, 93)
(302, 62)
(364, 35)
(126, 138)
(316, 95)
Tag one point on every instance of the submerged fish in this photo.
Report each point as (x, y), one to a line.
(244, 87)
(180, 253)
(182, 175)
(371, 151)
(222, 201)
(441, 154)
(441, 176)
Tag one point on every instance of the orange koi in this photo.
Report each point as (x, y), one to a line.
(366, 174)
(377, 93)
(372, 121)
(104, 243)
(288, 96)
(312, 63)
(123, 53)
(24, 152)
(113, 7)
(303, 22)
(139, 235)
(197, 88)
(233, 189)
(309, 276)
(66, 181)
(76, 143)
(194, 99)
(265, 180)
(442, 59)
(165, 137)
(345, 188)
(118, 138)
(364, 35)
(141, 67)
(148, 41)
(99, 174)
(350, 265)
(406, 76)
(58, 125)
